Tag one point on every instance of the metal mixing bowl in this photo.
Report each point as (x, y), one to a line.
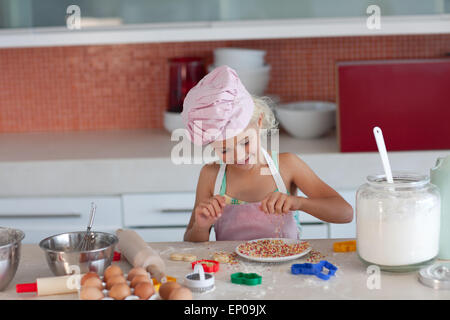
(10, 244)
(63, 258)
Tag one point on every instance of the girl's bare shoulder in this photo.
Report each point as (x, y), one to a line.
(209, 170)
(290, 161)
(206, 179)
(288, 158)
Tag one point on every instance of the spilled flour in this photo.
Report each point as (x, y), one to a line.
(277, 280)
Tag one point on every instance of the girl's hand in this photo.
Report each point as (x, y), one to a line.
(281, 203)
(206, 213)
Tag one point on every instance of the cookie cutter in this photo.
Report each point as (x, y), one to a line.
(210, 266)
(249, 279)
(199, 281)
(306, 268)
(315, 269)
(344, 246)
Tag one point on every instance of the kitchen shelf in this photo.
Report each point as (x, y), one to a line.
(225, 30)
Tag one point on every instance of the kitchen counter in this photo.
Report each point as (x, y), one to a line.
(139, 161)
(350, 281)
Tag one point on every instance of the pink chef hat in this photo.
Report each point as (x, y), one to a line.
(217, 108)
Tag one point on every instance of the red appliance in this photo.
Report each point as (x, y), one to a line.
(185, 73)
(408, 99)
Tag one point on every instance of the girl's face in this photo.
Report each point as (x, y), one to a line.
(241, 151)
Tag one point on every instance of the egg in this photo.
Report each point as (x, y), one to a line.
(139, 278)
(166, 289)
(181, 293)
(89, 275)
(136, 271)
(144, 290)
(111, 271)
(93, 282)
(91, 293)
(120, 291)
(115, 280)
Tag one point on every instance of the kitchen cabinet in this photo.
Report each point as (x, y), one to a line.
(157, 209)
(121, 12)
(345, 230)
(87, 22)
(157, 217)
(41, 217)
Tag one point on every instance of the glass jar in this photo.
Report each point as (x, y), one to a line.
(184, 74)
(397, 224)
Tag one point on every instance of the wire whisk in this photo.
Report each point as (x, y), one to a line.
(88, 240)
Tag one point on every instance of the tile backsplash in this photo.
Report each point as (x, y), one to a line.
(126, 86)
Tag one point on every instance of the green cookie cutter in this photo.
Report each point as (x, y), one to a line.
(249, 279)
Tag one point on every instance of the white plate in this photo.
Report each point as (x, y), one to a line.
(279, 259)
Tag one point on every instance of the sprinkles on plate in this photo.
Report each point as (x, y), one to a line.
(271, 248)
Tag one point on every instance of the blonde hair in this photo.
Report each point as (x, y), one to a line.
(264, 106)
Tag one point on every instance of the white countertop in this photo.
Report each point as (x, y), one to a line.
(138, 161)
(350, 281)
(121, 144)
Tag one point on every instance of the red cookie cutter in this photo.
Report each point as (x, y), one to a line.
(209, 266)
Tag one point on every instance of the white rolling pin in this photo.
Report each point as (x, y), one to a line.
(52, 285)
(139, 254)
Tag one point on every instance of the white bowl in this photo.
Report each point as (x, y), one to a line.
(255, 80)
(239, 58)
(307, 119)
(172, 121)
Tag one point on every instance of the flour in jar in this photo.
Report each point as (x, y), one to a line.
(396, 230)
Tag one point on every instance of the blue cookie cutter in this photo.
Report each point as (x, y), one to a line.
(315, 269)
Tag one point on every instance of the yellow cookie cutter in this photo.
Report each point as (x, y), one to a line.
(157, 284)
(344, 246)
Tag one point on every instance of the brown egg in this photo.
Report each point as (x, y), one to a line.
(181, 293)
(93, 282)
(166, 289)
(115, 280)
(144, 290)
(139, 278)
(89, 275)
(120, 291)
(112, 271)
(91, 293)
(136, 271)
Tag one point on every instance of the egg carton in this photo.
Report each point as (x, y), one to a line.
(155, 296)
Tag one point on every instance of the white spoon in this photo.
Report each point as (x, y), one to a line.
(383, 153)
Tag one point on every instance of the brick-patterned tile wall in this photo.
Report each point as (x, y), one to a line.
(126, 86)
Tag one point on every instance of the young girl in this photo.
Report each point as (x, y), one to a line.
(251, 194)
